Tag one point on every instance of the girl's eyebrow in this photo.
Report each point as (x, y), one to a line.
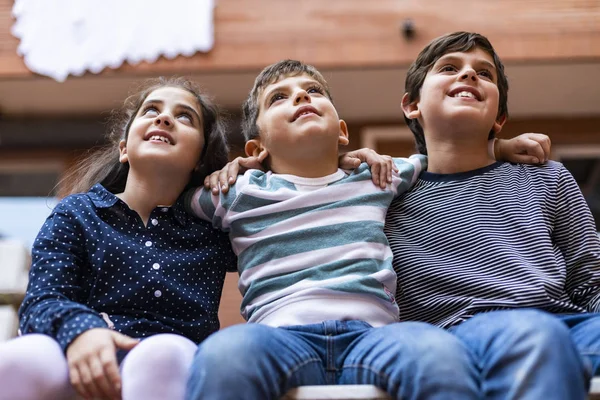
(180, 105)
(191, 110)
(152, 101)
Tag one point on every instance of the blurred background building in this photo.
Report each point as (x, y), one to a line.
(551, 49)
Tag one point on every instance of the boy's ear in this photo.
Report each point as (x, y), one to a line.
(343, 139)
(499, 123)
(123, 152)
(253, 147)
(411, 109)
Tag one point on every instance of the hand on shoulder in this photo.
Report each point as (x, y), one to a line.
(222, 179)
(527, 148)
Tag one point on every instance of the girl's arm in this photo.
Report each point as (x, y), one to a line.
(54, 305)
(54, 301)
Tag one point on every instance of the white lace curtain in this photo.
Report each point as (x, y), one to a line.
(62, 37)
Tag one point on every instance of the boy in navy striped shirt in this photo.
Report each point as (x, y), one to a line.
(504, 256)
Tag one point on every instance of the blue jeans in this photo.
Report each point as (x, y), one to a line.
(409, 360)
(530, 354)
(585, 333)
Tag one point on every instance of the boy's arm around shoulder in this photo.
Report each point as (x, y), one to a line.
(527, 148)
(381, 166)
(575, 235)
(214, 206)
(225, 177)
(408, 171)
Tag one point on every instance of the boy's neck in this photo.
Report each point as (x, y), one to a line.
(144, 193)
(305, 167)
(455, 153)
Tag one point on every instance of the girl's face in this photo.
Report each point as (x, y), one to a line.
(166, 132)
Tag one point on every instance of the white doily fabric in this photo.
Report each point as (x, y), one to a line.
(62, 37)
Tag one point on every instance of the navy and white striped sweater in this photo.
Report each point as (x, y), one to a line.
(500, 237)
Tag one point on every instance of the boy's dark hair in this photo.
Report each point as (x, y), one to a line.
(268, 76)
(453, 42)
(103, 165)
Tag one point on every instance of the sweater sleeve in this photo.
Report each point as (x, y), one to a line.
(409, 170)
(575, 236)
(53, 303)
(201, 203)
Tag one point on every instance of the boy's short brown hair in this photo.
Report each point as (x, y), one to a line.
(268, 76)
(453, 42)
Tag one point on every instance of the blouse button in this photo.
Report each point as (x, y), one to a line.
(156, 266)
(164, 209)
(148, 243)
(154, 222)
(157, 293)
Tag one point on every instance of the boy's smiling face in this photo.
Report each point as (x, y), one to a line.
(460, 92)
(296, 117)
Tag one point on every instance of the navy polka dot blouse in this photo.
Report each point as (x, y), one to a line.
(95, 264)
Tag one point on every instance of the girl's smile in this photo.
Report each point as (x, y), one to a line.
(167, 127)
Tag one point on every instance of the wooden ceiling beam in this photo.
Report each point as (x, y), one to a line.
(356, 33)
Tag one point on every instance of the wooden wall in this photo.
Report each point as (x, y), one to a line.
(352, 33)
(562, 131)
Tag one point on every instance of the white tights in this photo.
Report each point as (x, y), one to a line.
(33, 367)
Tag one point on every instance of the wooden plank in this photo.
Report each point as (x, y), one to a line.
(355, 33)
(336, 392)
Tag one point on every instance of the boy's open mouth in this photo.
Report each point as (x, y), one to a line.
(465, 92)
(304, 110)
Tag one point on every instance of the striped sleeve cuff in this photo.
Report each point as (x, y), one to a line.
(193, 205)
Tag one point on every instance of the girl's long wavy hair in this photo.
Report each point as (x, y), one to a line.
(102, 165)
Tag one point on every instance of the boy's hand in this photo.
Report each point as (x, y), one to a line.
(93, 368)
(220, 180)
(381, 166)
(527, 148)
